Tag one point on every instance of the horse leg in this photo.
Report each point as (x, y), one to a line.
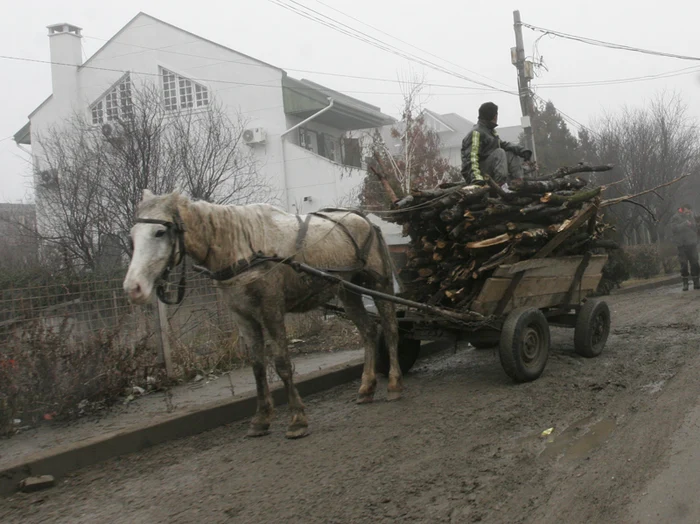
(390, 329)
(252, 338)
(274, 324)
(356, 312)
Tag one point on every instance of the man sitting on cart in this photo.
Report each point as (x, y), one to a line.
(484, 153)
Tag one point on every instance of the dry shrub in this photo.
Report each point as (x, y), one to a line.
(644, 260)
(211, 349)
(300, 325)
(669, 258)
(43, 374)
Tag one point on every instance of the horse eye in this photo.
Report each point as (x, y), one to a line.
(160, 233)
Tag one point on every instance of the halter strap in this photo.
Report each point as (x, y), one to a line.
(178, 246)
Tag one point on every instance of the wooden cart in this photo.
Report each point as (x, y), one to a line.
(520, 301)
(515, 309)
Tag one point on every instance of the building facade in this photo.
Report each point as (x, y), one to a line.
(299, 132)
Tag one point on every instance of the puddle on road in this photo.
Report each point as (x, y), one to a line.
(577, 440)
(596, 435)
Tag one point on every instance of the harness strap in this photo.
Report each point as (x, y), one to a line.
(303, 229)
(259, 258)
(178, 246)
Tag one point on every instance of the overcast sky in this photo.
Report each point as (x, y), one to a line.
(472, 38)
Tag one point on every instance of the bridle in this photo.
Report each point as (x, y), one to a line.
(174, 229)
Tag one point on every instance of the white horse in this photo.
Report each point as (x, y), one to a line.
(244, 248)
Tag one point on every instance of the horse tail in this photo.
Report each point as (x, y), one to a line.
(389, 265)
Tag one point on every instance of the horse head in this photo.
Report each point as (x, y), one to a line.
(158, 246)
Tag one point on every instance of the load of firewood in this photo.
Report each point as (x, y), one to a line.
(460, 234)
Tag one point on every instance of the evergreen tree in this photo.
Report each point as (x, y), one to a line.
(556, 145)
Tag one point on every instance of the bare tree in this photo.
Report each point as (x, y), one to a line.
(94, 175)
(18, 246)
(418, 162)
(649, 146)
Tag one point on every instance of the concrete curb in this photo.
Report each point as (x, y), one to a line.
(62, 460)
(647, 286)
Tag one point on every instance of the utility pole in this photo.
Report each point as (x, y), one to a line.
(525, 74)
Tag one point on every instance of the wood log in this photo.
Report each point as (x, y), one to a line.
(581, 168)
(517, 227)
(452, 214)
(579, 197)
(532, 235)
(385, 184)
(524, 186)
(515, 201)
(501, 239)
(492, 231)
(425, 272)
(405, 202)
(501, 209)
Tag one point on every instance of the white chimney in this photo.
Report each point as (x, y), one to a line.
(66, 56)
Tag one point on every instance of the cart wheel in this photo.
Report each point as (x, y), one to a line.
(592, 328)
(524, 346)
(409, 349)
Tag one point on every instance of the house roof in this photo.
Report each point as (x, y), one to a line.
(461, 126)
(10, 207)
(23, 136)
(303, 98)
(142, 14)
(510, 133)
(355, 113)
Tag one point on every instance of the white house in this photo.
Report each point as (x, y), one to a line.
(452, 128)
(297, 129)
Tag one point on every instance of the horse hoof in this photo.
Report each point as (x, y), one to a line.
(365, 399)
(391, 396)
(298, 432)
(258, 431)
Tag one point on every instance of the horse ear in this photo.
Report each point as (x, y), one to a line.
(147, 195)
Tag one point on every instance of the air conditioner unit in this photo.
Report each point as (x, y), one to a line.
(254, 135)
(107, 129)
(48, 178)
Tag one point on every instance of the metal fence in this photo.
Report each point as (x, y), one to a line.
(199, 332)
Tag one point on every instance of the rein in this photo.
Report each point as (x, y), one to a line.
(175, 227)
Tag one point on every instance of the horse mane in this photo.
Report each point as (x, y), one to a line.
(219, 233)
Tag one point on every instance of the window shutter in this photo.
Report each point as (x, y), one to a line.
(321, 139)
(353, 152)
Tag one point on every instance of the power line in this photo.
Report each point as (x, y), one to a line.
(308, 71)
(408, 43)
(234, 83)
(359, 35)
(478, 90)
(571, 120)
(609, 45)
(629, 80)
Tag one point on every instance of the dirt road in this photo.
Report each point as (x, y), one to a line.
(464, 445)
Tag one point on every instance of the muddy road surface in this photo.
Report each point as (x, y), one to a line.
(464, 444)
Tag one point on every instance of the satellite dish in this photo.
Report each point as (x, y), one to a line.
(107, 129)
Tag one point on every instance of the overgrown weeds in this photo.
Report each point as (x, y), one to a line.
(44, 374)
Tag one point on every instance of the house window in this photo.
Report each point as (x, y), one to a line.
(115, 105)
(182, 93)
